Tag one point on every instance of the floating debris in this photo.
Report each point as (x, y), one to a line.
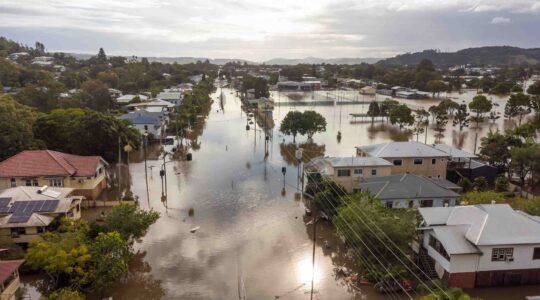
(194, 229)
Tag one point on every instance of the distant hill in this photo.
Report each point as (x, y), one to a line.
(316, 60)
(493, 55)
(170, 60)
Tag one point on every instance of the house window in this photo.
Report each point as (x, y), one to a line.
(418, 161)
(13, 182)
(389, 204)
(373, 172)
(426, 203)
(358, 172)
(40, 230)
(411, 204)
(17, 231)
(58, 182)
(343, 173)
(437, 246)
(397, 162)
(31, 182)
(433, 161)
(536, 253)
(501, 254)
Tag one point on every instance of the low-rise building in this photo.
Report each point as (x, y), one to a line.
(154, 123)
(480, 245)
(27, 211)
(174, 96)
(125, 99)
(410, 157)
(349, 171)
(368, 90)
(411, 191)
(9, 278)
(85, 174)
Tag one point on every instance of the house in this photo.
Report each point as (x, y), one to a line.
(368, 90)
(125, 99)
(480, 245)
(43, 60)
(411, 94)
(349, 171)
(85, 174)
(173, 96)
(157, 105)
(16, 55)
(185, 86)
(27, 211)
(144, 121)
(9, 278)
(115, 93)
(410, 157)
(293, 86)
(196, 78)
(410, 191)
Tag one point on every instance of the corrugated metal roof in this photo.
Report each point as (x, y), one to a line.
(453, 239)
(406, 186)
(402, 149)
(453, 152)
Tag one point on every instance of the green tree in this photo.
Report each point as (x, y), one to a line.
(291, 124)
(386, 107)
(523, 160)
(64, 294)
(129, 221)
(421, 121)
(312, 122)
(480, 183)
(435, 87)
(109, 259)
(533, 206)
(95, 95)
(502, 88)
(373, 111)
(448, 294)
(101, 57)
(495, 148)
(534, 89)
(480, 105)
(480, 197)
(517, 106)
(461, 117)
(401, 115)
(16, 127)
(465, 184)
(501, 183)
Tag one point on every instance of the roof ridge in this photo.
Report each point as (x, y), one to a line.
(382, 148)
(62, 155)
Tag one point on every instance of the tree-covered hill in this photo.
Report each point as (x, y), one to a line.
(495, 55)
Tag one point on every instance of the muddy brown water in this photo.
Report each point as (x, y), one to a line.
(252, 241)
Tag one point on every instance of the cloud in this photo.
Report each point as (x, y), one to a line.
(263, 29)
(501, 20)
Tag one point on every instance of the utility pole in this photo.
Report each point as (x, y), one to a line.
(146, 167)
(119, 167)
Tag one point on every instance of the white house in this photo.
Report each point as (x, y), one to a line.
(173, 96)
(144, 121)
(129, 97)
(480, 245)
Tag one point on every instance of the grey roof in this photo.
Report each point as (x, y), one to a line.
(453, 152)
(453, 239)
(337, 162)
(487, 224)
(406, 186)
(402, 149)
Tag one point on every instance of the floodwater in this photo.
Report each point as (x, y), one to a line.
(252, 241)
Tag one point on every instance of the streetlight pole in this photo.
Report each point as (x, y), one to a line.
(146, 167)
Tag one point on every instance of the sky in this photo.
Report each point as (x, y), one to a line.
(266, 29)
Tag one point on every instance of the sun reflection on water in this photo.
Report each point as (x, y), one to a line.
(305, 272)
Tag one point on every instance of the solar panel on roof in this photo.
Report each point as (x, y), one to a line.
(19, 218)
(4, 202)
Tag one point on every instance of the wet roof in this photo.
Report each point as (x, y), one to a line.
(406, 186)
(402, 149)
(453, 152)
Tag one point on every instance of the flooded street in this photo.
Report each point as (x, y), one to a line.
(252, 241)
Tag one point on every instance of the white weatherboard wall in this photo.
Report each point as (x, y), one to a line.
(461, 263)
(523, 258)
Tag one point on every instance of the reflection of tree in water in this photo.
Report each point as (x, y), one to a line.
(388, 131)
(311, 150)
(139, 283)
(459, 137)
(116, 188)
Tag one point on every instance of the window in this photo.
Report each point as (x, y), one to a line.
(343, 173)
(418, 161)
(358, 172)
(13, 182)
(501, 254)
(373, 172)
(58, 182)
(433, 161)
(40, 230)
(397, 162)
(536, 253)
(31, 182)
(437, 246)
(389, 204)
(426, 203)
(446, 202)
(411, 204)
(17, 231)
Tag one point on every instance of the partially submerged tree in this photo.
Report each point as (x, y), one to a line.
(401, 115)
(461, 118)
(480, 105)
(373, 110)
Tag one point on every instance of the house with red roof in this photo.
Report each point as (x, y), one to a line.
(9, 278)
(85, 174)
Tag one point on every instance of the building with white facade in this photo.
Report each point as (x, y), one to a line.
(480, 245)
